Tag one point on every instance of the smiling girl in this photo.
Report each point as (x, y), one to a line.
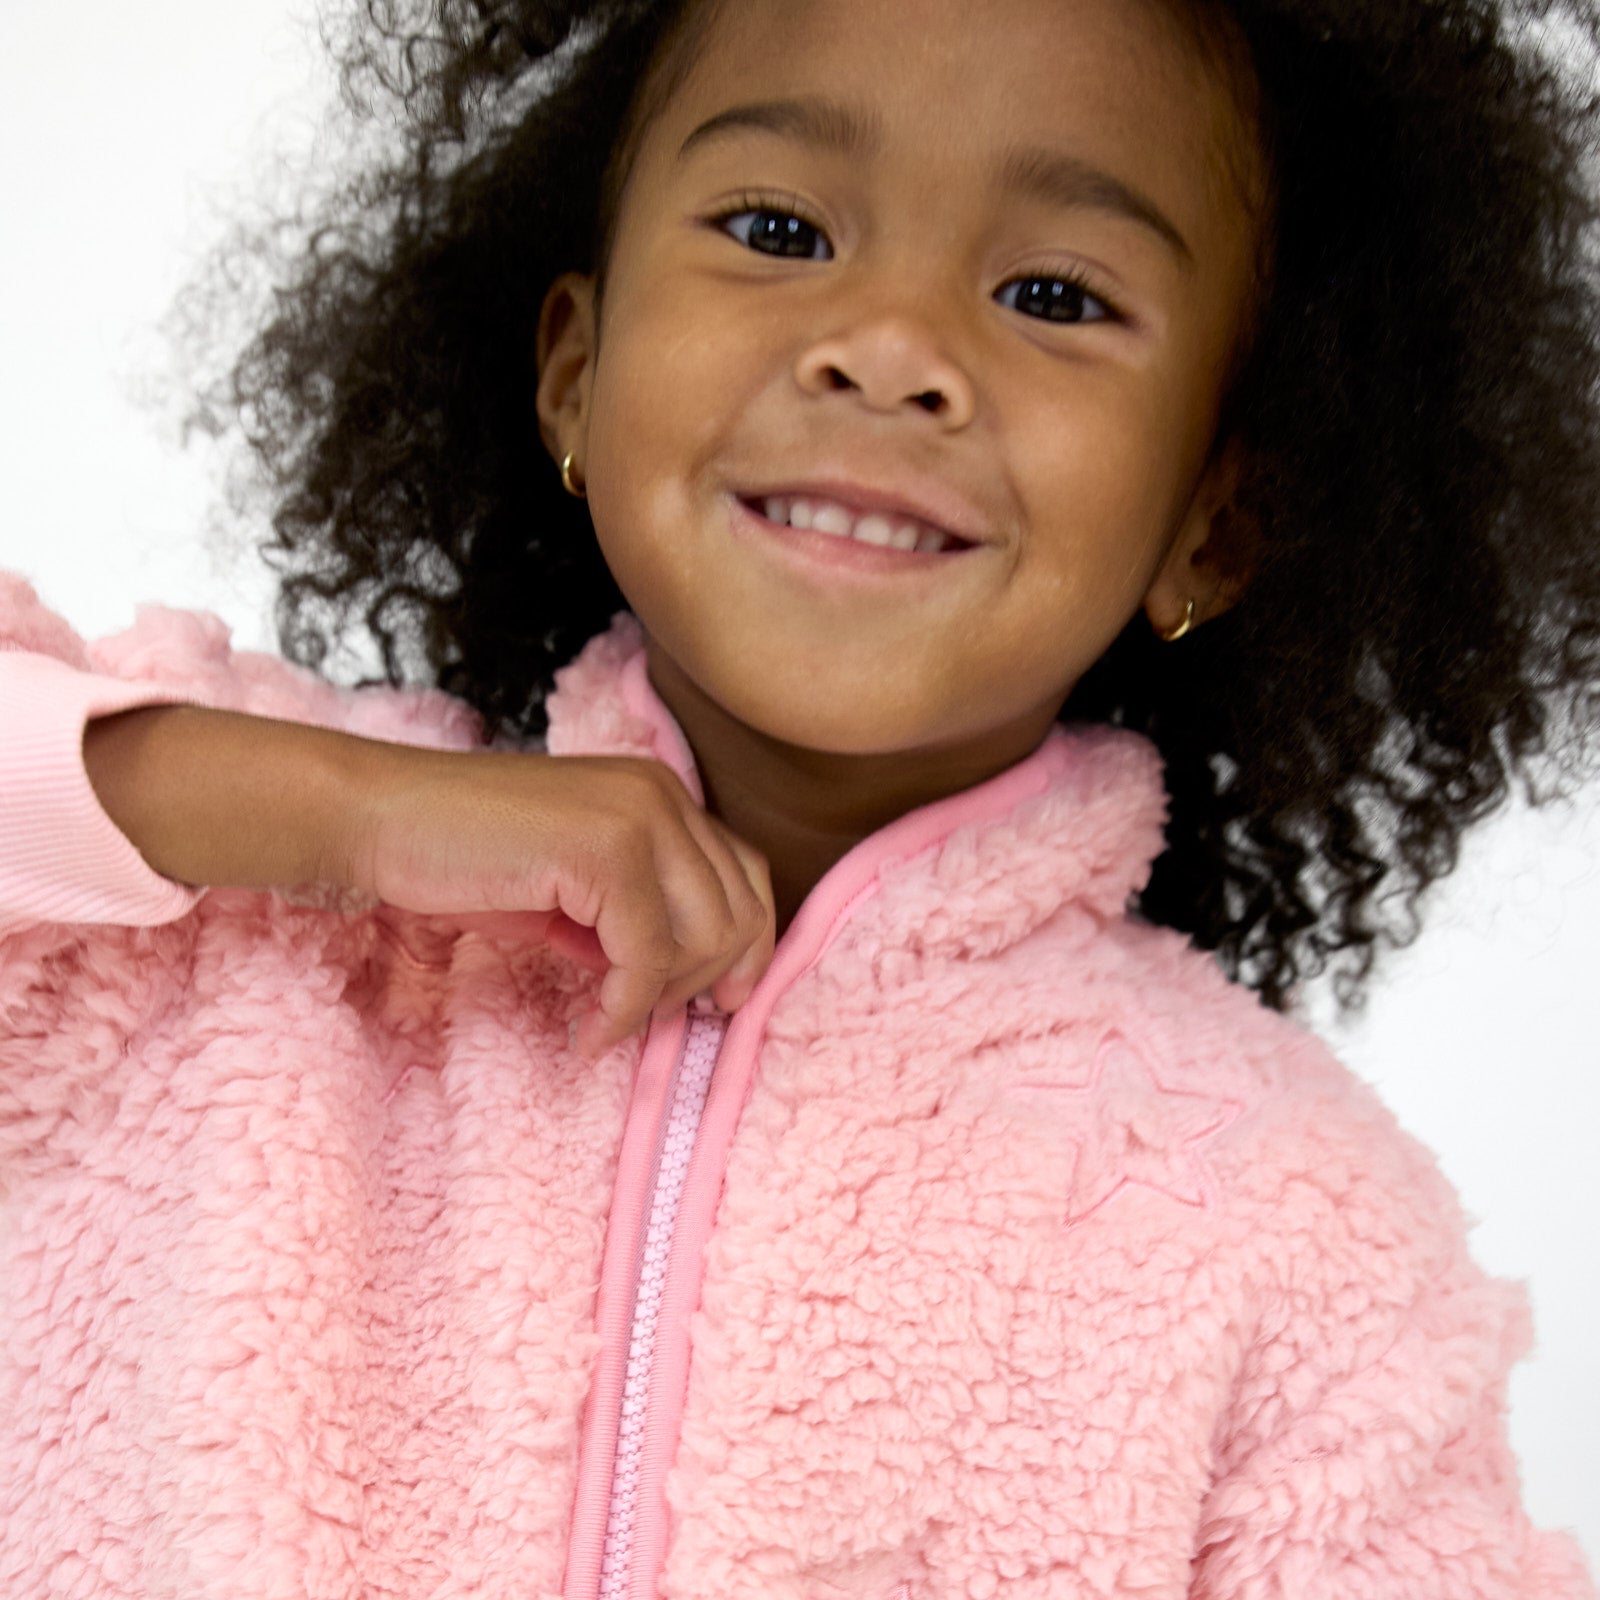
(954, 555)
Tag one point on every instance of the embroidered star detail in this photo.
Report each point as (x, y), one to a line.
(1128, 1127)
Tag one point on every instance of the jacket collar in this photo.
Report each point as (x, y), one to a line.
(1076, 823)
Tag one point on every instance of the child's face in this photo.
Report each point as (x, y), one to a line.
(920, 340)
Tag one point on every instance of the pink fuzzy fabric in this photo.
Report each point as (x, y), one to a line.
(1047, 1263)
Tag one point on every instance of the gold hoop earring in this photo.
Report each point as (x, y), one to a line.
(1172, 635)
(567, 480)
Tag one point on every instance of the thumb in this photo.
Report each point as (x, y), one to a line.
(554, 928)
(576, 942)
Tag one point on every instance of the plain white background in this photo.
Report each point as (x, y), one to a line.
(128, 134)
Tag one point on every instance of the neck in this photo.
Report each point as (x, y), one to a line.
(804, 809)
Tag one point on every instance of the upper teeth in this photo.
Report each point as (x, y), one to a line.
(828, 516)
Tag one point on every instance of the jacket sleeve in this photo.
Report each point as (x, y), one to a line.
(1369, 1458)
(62, 859)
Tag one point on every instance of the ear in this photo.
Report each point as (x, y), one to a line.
(565, 352)
(1212, 555)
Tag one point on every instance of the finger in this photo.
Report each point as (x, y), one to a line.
(738, 952)
(634, 933)
(745, 876)
(696, 872)
(733, 988)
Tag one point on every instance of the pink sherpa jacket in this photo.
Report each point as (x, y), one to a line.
(996, 1247)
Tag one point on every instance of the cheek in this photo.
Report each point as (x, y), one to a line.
(665, 386)
(1104, 477)
(668, 333)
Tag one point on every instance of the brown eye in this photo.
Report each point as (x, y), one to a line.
(774, 232)
(1055, 300)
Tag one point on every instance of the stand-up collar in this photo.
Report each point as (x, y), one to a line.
(1079, 821)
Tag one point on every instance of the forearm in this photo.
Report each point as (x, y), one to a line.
(217, 798)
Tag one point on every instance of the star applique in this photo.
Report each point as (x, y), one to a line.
(1128, 1127)
(899, 1574)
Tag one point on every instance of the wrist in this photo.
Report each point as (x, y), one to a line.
(350, 778)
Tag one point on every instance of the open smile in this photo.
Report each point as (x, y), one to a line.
(830, 534)
(886, 530)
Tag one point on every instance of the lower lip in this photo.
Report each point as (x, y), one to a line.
(842, 555)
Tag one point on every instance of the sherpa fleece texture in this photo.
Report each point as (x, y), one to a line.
(1046, 1263)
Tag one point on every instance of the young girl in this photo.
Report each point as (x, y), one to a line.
(797, 1137)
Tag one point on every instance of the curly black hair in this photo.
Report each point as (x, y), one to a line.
(1419, 405)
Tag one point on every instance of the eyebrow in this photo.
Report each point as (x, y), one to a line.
(1034, 173)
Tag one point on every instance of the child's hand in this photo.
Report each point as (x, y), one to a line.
(677, 903)
(607, 858)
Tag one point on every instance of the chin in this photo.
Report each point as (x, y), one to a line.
(831, 721)
(809, 698)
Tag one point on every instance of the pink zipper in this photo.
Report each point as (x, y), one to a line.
(701, 1043)
(630, 1431)
(690, 1087)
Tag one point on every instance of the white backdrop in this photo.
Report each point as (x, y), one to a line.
(126, 131)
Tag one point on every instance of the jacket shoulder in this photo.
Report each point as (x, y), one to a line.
(192, 651)
(1310, 1153)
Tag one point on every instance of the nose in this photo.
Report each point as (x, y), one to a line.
(891, 358)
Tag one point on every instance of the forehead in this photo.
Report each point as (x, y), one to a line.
(945, 85)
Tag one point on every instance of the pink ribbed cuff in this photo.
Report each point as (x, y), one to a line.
(62, 859)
